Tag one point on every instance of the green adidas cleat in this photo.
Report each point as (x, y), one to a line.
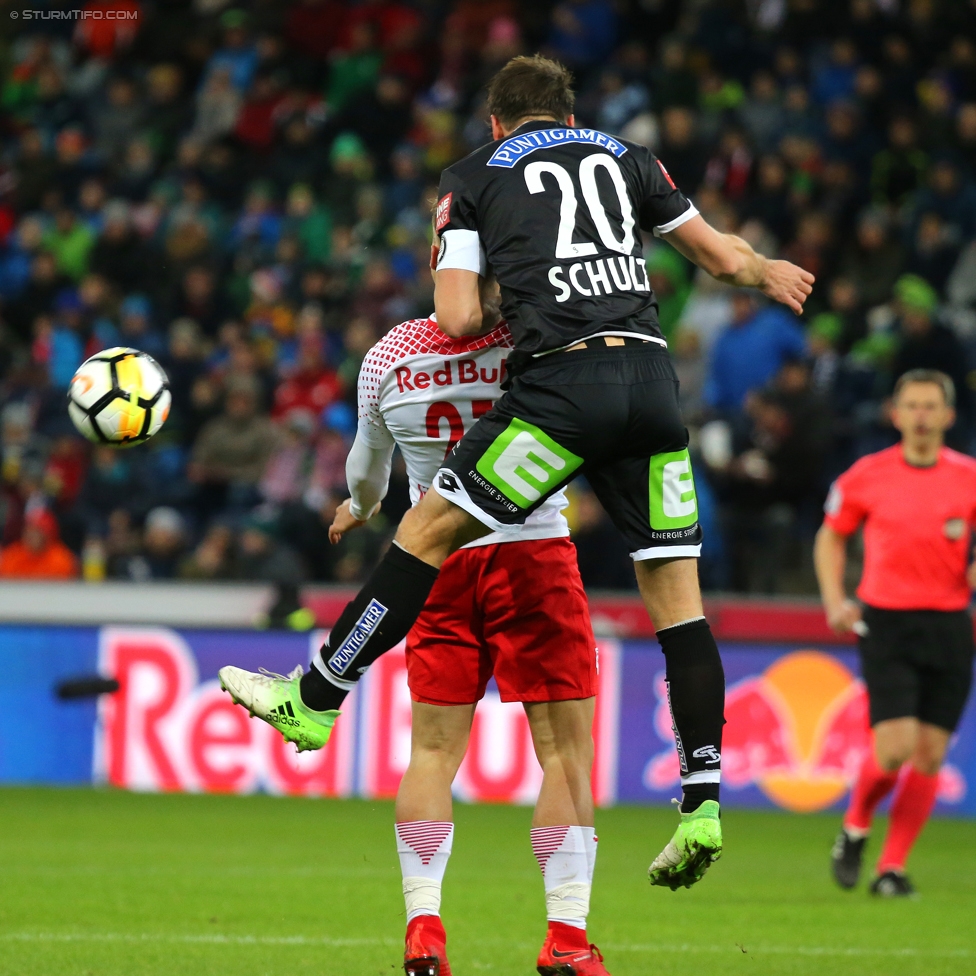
(696, 845)
(276, 699)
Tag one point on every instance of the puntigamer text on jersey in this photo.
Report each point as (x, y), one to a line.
(516, 147)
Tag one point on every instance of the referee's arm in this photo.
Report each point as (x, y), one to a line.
(830, 560)
(732, 260)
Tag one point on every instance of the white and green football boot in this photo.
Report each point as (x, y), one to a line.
(276, 699)
(696, 845)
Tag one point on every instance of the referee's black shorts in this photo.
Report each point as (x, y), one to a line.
(609, 412)
(917, 663)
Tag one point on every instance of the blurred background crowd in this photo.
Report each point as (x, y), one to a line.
(243, 190)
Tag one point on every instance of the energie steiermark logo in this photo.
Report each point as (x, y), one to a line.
(525, 463)
(673, 503)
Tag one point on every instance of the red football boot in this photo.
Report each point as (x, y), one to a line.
(426, 950)
(567, 953)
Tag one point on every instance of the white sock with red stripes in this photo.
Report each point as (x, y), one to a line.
(424, 847)
(590, 839)
(564, 855)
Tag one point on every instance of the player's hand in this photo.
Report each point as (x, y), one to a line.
(344, 521)
(788, 284)
(971, 576)
(844, 617)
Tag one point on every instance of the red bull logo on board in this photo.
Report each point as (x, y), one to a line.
(797, 731)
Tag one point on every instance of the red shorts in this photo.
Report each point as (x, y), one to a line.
(514, 609)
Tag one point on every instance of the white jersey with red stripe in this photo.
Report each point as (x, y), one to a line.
(422, 390)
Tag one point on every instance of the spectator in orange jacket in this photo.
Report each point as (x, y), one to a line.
(40, 554)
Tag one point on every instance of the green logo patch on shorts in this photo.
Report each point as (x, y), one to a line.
(673, 504)
(524, 463)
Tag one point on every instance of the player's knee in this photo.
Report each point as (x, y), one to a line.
(892, 759)
(578, 763)
(420, 530)
(928, 757)
(435, 528)
(434, 749)
(574, 753)
(562, 731)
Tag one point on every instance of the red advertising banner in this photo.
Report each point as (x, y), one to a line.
(166, 729)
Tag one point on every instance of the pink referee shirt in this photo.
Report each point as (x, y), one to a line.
(917, 528)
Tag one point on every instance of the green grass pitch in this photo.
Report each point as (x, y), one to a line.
(99, 883)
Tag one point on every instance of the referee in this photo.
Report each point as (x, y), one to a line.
(917, 503)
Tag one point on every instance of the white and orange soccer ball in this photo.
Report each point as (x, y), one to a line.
(120, 397)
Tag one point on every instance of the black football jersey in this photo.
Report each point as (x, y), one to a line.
(554, 211)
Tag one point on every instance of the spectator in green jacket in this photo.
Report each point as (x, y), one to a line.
(669, 275)
(70, 241)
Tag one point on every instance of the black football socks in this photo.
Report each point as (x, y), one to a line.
(376, 620)
(696, 695)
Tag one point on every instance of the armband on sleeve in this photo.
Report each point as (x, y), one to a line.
(462, 249)
(671, 225)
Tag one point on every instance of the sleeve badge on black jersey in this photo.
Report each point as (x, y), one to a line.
(667, 176)
(442, 215)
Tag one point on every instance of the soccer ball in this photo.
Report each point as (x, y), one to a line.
(120, 397)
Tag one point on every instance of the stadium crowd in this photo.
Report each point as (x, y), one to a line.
(244, 191)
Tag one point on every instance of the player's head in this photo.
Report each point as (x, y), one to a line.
(529, 88)
(488, 287)
(923, 406)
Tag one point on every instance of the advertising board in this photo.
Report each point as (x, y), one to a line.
(796, 723)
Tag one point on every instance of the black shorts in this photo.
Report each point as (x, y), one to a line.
(610, 413)
(917, 663)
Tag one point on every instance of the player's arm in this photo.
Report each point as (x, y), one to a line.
(370, 458)
(732, 260)
(457, 301)
(368, 479)
(830, 562)
(458, 260)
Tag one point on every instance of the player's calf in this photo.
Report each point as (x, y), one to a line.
(696, 695)
(378, 618)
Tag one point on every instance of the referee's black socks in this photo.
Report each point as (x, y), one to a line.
(376, 620)
(696, 695)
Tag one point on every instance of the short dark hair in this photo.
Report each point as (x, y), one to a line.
(933, 376)
(531, 86)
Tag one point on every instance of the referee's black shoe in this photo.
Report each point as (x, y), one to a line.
(845, 858)
(893, 884)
